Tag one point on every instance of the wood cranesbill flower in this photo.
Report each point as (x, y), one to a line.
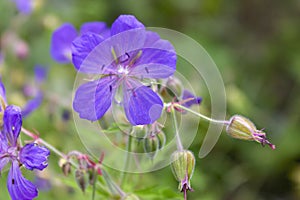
(31, 156)
(63, 36)
(124, 59)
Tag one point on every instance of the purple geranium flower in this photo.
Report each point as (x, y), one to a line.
(63, 37)
(35, 91)
(31, 156)
(124, 59)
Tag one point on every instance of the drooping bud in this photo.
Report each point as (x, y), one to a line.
(173, 88)
(240, 127)
(92, 176)
(81, 179)
(161, 136)
(151, 145)
(183, 164)
(65, 166)
(130, 197)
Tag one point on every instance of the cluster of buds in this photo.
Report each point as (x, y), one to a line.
(183, 164)
(86, 171)
(240, 127)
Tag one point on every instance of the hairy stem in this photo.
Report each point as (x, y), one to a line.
(201, 115)
(178, 140)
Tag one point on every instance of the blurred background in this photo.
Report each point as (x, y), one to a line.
(255, 45)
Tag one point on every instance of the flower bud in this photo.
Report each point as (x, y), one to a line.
(65, 166)
(130, 197)
(240, 127)
(80, 179)
(92, 177)
(161, 136)
(174, 86)
(151, 145)
(183, 164)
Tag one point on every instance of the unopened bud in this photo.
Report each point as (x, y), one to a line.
(80, 179)
(65, 166)
(151, 146)
(161, 136)
(130, 197)
(183, 164)
(240, 127)
(92, 177)
(173, 88)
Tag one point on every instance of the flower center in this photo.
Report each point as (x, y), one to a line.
(123, 70)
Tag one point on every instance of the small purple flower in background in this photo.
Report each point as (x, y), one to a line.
(124, 59)
(35, 91)
(31, 156)
(62, 38)
(190, 99)
(24, 6)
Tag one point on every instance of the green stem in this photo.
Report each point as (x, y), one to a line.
(201, 115)
(113, 187)
(178, 140)
(127, 160)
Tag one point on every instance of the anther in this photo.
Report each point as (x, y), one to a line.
(147, 70)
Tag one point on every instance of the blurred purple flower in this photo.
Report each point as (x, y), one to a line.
(63, 37)
(125, 58)
(35, 91)
(24, 6)
(190, 99)
(31, 156)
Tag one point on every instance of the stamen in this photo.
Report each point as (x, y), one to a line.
(138, 55)
(102, 67)
(114, 55)
(13, 181)
(110, 88)
(133, 92)
(128, 56)
(147, 70)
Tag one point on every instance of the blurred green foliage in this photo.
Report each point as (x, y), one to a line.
(254, 43)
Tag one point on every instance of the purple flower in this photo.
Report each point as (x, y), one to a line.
(124, 59)
(63, 37)
(24, 6)
(190, 99)
(31, 155)
(35, 91)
